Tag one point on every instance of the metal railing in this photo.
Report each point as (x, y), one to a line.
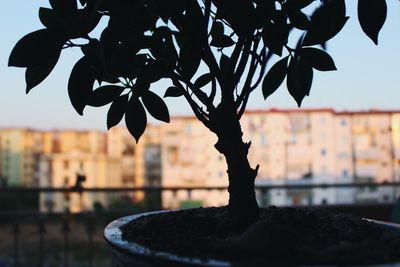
(29, 237)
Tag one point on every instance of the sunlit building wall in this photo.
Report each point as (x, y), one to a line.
(20, 151)
(62, 170)
(315, 146)
(373, 153)
(395, 129)
(189, 159)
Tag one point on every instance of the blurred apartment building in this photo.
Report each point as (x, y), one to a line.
(20, 152)
(304, 146)
(77, 159)
(72, 158)
(140, 162)
(315, 146)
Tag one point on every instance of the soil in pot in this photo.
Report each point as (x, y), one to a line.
(284, 235)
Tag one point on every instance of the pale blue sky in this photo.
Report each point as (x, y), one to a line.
(368, 76)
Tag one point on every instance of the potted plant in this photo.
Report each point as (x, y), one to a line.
(215, 54)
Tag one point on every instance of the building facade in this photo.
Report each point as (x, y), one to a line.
(302, 146)
(314, 146)
(63, 170)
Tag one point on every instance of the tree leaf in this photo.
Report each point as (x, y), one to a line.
(142, 85)
(298, 4)
(36, 48)
(318, 59)
(163, 48)
(192, 25)
(217, 28)
(299, 79)
(264, 11)
(221, 41)
(48, 18)
(155, 106)
(36, 74)
(299, 19)
(135, 118)
(307, 75)
(117, 111)
(174, 91)
(239, 14)
(105, 95)
(326, 22)
(372, 16)
(65, 7)
(189, 60)
(274, 77)
(275, 36)
(80, 84)
(203, 80)
(224, 64)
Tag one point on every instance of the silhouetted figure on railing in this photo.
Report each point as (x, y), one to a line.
(80, 178)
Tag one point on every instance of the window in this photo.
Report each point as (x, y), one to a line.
(189, 128)
(324, 169)
(343, 123)
(293, 139)
(263, 140)
(66, 164)
(129, 149)
(323, 152)
(345, 173)
(173, 155)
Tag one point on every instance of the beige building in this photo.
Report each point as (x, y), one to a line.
(61, 171)
(20, 150)
(373, 157)
(395, 129)
(140, 162)
(189, 159)
(64, 141)
(301, 146)
(304, 146)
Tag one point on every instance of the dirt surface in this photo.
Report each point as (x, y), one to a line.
(286, 236)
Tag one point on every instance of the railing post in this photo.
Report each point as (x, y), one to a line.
(42, 231)
(90, 229)
(16, 231)
(66, 229)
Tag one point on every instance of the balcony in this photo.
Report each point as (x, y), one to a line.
(34, 234)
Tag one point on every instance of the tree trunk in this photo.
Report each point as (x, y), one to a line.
(243, 207)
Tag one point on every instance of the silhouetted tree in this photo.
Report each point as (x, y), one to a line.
(214, 52)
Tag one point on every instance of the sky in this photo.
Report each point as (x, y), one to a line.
(368, 76)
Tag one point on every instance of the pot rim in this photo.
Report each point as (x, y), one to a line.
(113, 235)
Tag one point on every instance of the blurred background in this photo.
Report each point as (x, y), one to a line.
(63, 177)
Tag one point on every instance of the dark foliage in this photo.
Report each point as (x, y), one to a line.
(147, 40)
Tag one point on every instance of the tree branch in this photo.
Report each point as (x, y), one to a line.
(209, 59)
(207, 13)
(213, 90)
(243, 62)
(243, 106)
(197, 110)
(247, 85)
(204, 99)
(264, 60)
